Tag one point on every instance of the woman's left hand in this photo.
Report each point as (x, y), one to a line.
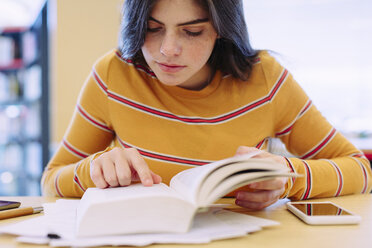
(263, 193)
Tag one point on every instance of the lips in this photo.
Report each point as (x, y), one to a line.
(170, 68)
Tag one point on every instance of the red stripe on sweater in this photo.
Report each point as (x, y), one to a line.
(56, 185)
(292, 169)
(321, 145)
(306, 107)
(341, 181)
(73, 150)
(99, 81)
(199, 120)
(166, 158)
(308, 181)
(87, 117)
(139, 66)
(287, 130)
(259, 145)
(76, 180)
(364, 190)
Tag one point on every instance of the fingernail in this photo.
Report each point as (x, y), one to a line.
(147, 182)
(239, 196)
(253, 185)
(159, 179)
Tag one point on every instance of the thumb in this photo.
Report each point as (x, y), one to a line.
(246, 149)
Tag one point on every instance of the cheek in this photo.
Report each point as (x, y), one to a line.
(149, 48)
(199, 52)
(201, 49)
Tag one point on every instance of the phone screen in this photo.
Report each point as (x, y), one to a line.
(320, 209)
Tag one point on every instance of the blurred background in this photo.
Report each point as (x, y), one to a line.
(47, 49)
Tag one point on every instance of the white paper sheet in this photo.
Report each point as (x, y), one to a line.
(59, 218)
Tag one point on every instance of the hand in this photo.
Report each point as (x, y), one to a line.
(263, 193)
(121, 167)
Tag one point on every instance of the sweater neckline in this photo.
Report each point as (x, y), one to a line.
(206, 91)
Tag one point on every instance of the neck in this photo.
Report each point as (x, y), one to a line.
(200, 80)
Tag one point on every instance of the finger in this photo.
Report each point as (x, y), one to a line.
(96, 174)
(272, 184)
(258, 196)
(123, 171)
(255, 205)
(258, 153)
(109, 174)
(140, 167)
(245, 149)
(156, 178)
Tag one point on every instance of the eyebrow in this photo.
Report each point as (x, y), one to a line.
(196, 21)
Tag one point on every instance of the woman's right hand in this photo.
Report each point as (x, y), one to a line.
(121, 167)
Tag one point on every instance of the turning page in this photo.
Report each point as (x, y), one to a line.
(188, 182)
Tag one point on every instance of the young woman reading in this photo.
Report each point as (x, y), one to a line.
(185, 88)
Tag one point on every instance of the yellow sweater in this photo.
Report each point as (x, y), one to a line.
(123, 104)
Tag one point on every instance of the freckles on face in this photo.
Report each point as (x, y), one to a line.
(201, 49)
(178, 43)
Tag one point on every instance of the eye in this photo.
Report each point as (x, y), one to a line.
(153, 30)
(193, 34)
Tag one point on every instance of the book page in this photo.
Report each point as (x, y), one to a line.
(131, 191)
(238, 180)
(142, 209)
(188, 182)
(249, 166)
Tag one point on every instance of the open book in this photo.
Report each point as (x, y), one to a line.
(159, 208)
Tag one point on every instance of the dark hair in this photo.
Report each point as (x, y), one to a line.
(232, 53)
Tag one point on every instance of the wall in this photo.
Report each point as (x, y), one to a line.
(84, 31)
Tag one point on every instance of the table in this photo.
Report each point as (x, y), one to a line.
(291, 233)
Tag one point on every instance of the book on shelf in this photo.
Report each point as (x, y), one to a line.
(169, 209)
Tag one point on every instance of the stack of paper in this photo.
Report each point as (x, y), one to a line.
(57, 228)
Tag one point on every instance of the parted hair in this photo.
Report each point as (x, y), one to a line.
(232, 53)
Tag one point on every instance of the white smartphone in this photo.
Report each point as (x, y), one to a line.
(322, 213)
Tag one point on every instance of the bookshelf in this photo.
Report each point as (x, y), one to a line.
(24, 98)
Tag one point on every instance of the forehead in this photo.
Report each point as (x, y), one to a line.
(178, 11)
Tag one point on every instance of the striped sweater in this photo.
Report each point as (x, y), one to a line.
(122, 104)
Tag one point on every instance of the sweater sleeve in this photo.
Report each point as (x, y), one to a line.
(330, 164)
(88, 135)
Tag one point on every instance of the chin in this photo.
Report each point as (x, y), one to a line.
(170, 81)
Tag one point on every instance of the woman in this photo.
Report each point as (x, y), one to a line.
(185, 89)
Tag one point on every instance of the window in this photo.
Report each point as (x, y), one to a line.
(326, 44)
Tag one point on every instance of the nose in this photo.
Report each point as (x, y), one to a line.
(170, 45)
